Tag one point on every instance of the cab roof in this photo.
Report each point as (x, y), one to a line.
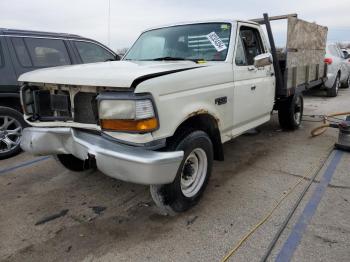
(230, 21)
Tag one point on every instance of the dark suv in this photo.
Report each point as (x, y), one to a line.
(23, 51)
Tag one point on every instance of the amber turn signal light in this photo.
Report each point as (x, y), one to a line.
(142, 125)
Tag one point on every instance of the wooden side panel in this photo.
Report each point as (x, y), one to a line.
(305, 57)
(306, 44)
(305, 35)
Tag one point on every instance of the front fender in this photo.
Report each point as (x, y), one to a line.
(181, 95)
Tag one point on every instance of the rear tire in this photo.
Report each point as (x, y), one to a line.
(290, 112)
(192, 176)
(333, 92)
(11, 126)
(347, 84)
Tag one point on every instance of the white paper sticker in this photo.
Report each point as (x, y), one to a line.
(216, 42)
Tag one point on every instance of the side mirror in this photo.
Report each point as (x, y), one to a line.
(263, 60)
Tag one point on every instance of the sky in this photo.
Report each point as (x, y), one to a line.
(90, 18)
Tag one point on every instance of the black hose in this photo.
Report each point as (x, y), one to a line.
(292, 211)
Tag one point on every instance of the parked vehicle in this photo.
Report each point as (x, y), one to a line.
(160, 116)
(22, 51)
(346, 53)
(338, 70)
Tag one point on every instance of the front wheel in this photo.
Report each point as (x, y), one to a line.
(192, 176)
(290, 112)
(72, 163)
(11, 126)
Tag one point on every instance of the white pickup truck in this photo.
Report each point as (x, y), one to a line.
(160, 116)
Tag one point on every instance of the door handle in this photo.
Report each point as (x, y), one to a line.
(253, 87)
(251, 68)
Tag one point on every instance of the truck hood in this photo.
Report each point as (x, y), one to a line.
(120, 74)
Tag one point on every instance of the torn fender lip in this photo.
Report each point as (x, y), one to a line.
(141, 79)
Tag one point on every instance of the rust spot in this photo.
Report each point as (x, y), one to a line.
(198, 112)
(201, 112)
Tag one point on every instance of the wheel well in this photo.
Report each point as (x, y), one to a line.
(11, 102)
(208, 124)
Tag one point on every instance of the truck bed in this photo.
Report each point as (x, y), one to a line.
(301, 63)
(305, 51)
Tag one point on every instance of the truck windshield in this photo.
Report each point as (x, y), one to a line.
(209, 42)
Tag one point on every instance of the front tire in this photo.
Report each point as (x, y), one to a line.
(290, 112)
(11, 126)
(192, 176)
(72, 163)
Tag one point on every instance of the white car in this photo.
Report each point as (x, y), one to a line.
(160, 116)
(338, 70)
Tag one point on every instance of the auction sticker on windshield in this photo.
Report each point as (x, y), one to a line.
(216, 42)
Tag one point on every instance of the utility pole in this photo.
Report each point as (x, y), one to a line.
(109, 23)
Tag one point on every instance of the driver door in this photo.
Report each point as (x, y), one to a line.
(254, 88)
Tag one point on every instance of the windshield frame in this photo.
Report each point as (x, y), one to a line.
(229, 55)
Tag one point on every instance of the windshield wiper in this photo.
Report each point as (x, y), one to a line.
(170, 58)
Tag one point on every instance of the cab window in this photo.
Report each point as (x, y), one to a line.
(249, 45)
(91, 53)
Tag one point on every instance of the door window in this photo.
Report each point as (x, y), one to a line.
(91, 53)
(249, 46)
(40, 52)
(1, 59)
(241, 59)
(47, 52)
(21, 52)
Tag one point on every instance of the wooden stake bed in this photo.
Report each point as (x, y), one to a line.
(301, 64)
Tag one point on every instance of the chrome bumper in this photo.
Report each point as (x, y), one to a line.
(116, 160)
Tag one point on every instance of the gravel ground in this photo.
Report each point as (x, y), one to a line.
(102, 219)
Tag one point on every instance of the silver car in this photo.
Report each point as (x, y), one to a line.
(338, 70)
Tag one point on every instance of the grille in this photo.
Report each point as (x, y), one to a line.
(46, 106)
(85, 108)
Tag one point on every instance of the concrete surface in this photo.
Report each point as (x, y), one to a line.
(108, 220)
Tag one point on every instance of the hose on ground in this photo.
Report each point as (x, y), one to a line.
(326, 123)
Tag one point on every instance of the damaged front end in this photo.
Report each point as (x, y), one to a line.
(61, 105)
(68, 120)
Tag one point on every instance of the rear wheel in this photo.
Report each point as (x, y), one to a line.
(11, 126)
(347, 84)
(192, 176)
(333, 91)
(290, 112)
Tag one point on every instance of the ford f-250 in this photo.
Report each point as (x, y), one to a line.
(160, 116)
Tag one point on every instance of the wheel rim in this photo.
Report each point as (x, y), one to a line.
(297, 110)
(10, 133)
(194, 172)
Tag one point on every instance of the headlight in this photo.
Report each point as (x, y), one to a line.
(127, 115)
